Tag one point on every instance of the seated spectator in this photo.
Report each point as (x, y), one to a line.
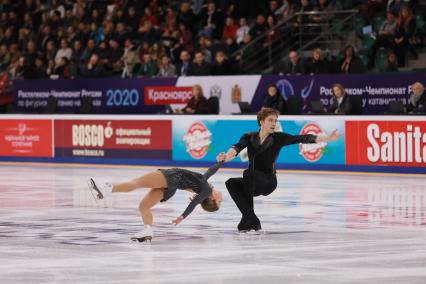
(96, 33)
(132, 20)
(185, 38)
(157, 51)
(242, 31)
(148, 68)
(64, 51)
(167, 69)
(20, 69)
(50, 51)
(199, 67)
(31, 53)
(186, 16)
(148, 17)
(273, 32)
(39, 69)
(259, 28)
(341, 102)
(246, 53)
(371, 7)
(230, 29)
(285, 12)
(318, 64)
(405, 33)
(62, 69)
(149, 34)
(351, 63)
(185, 62)
(93, 69)
(204, 46)
(88, 51)
(170, 35)
(212, 22)
(417, 101)
(4, 57)
(304, 7)
(394, 6)
(121, 32)
(50, 69)
(293, 66)
(391, 64)
(130, 58)
(323, 6)
(198, 103)
(221, 66)
(184, 41)
(274, 6)
(231, 47)
(102, 50)
(114, 57)
(274, 99)
(385, 37)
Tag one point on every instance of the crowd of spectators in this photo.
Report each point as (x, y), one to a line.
(163, 38)
(72, 39)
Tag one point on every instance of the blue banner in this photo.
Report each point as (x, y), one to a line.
(126, 96)
(375, 90)
(108, 96)
(202, 140)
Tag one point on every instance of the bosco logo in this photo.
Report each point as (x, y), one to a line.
(90, 135)
(197, 140)
(312, 152)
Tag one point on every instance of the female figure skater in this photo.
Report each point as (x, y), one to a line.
(163, 184)
(263, 148)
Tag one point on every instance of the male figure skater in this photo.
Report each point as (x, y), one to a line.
(263, 148)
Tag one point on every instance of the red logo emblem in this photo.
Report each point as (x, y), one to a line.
(197, 140)
(312, 152)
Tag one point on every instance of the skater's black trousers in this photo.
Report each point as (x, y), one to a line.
(242, 190)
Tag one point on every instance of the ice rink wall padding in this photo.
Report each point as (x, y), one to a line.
(394, 144)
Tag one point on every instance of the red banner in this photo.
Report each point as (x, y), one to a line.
(167, 95)
(113, 138)
(386, 143)
(26, 138)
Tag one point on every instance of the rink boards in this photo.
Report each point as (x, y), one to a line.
(368, 143)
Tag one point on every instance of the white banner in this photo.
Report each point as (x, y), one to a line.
(229, 89)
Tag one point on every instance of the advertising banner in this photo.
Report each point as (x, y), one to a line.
(112, 95)
(202, 140)
(229, 89)
(26, 138)
(167, 95)
(144, 96)
(375, 90)
(386, 143)
(129, 139)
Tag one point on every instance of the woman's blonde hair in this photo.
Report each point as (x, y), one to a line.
(318, 50)
(200, 89)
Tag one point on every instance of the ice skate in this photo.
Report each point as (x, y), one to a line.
(96, 191)
(145, 235)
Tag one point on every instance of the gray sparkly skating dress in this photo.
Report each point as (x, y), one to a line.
(182, 179)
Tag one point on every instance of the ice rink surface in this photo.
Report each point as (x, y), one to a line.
(319, 228)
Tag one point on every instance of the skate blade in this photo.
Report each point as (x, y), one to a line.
(142, 240)
(252, 232)
(96, 193)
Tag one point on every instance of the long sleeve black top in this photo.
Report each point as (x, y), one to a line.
(262, 157)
